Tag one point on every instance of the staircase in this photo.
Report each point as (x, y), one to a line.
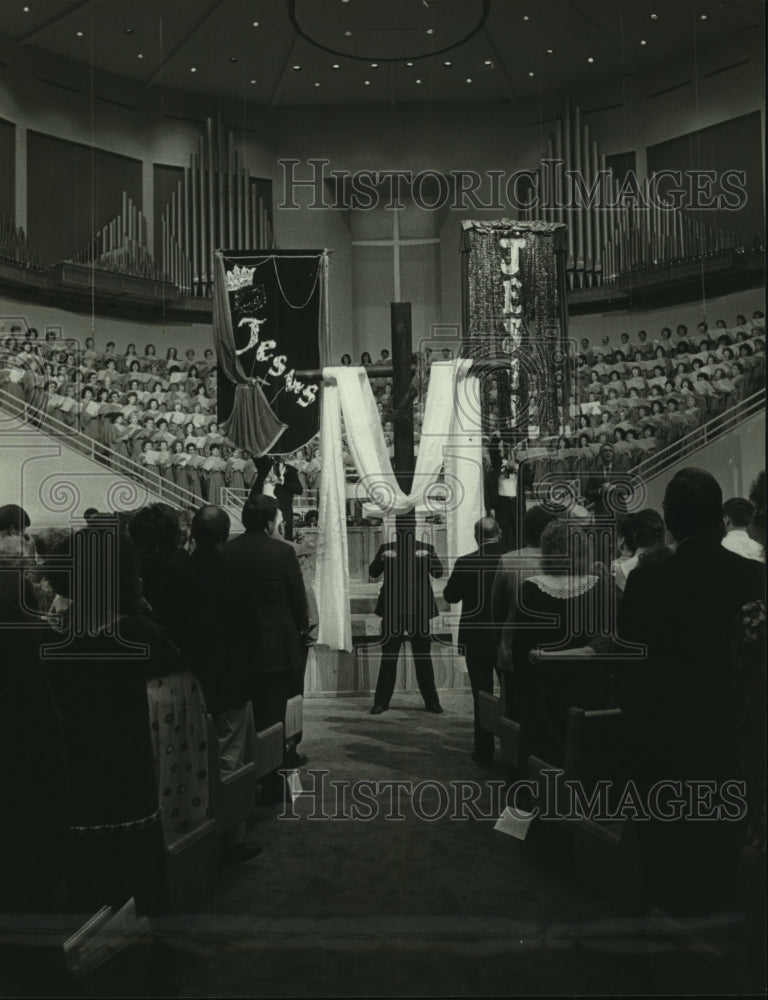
(56, 473)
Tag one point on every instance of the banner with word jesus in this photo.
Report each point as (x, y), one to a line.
(267, 320)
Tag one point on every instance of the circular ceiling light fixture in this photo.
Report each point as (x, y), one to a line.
(311, 23)
(79, 34)
(193, 69)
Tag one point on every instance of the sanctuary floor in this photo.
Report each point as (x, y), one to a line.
(399, 907)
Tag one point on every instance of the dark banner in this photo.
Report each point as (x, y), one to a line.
(275, 305)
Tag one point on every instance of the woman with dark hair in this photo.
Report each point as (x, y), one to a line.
(116, 843)
(150, 351)
(346, 360)
(365, 359)
(561, 622)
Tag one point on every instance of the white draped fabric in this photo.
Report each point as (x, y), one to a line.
(450, 438)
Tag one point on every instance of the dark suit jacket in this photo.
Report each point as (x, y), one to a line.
(592, 485)
(201, 630)
(471, 582)
(676, 698)
(406, 602)
(267, 604)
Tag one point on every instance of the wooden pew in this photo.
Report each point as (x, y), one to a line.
(191, 865)
(489, 708)
(294, 712)
(606, 855)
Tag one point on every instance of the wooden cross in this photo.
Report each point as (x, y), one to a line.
(397, 242)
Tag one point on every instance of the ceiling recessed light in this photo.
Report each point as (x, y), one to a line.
(233, 59)
(367, 83)
(296, 68)
(409, 64)
(140, 55)
(317, 84)
(253, 81)
(447, 63)
(193, 69)
(79, 34)
(335, 66)
(550, 51)
(128, 31)
(525, 17)
(654, 17)
(418, 81)
(469, 79)
(374, 65)
(26, 10)
(430, 31)
(590, 59)
(703, 17)
(255, 24)
(531, 73)
(348, 34)
(643, 41)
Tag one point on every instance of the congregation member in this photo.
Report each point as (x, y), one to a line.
(471, 584)
(115, 848)
(738, 515)
(676, 690)
(266, 617)
(502, 492)
(34, 818)
(513, 568)
(276, 478)
(643, 533)
(201, 625)
(406, 605)
(561, 621)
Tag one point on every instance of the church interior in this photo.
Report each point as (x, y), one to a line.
(346, 347)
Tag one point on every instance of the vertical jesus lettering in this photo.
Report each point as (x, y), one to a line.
(274, 301)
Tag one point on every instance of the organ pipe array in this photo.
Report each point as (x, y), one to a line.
(609, 236)
(121, 246)
(216, 205)
(14, 244)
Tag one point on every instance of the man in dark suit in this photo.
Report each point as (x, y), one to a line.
(201, 631)
(406, 605)
(502, 485)
(471, 582)
(676, 698)
(283, 481)
(267, 614)
(600, 483)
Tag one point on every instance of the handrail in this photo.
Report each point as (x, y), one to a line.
(98, 452)
(700, 436)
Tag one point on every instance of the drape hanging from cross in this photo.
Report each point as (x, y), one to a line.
(450, 440)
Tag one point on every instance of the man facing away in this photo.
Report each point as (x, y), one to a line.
(471, 583)
(676, 696)
(202, 633)
(267, 615)
(406, 606)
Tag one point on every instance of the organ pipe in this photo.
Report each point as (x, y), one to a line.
(607, 239)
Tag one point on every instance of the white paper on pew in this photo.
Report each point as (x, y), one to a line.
(294, 785)
(514, 823)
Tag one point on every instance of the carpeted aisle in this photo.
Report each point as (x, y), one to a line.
(407, 906)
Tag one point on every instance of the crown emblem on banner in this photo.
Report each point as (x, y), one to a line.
(239, 277)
